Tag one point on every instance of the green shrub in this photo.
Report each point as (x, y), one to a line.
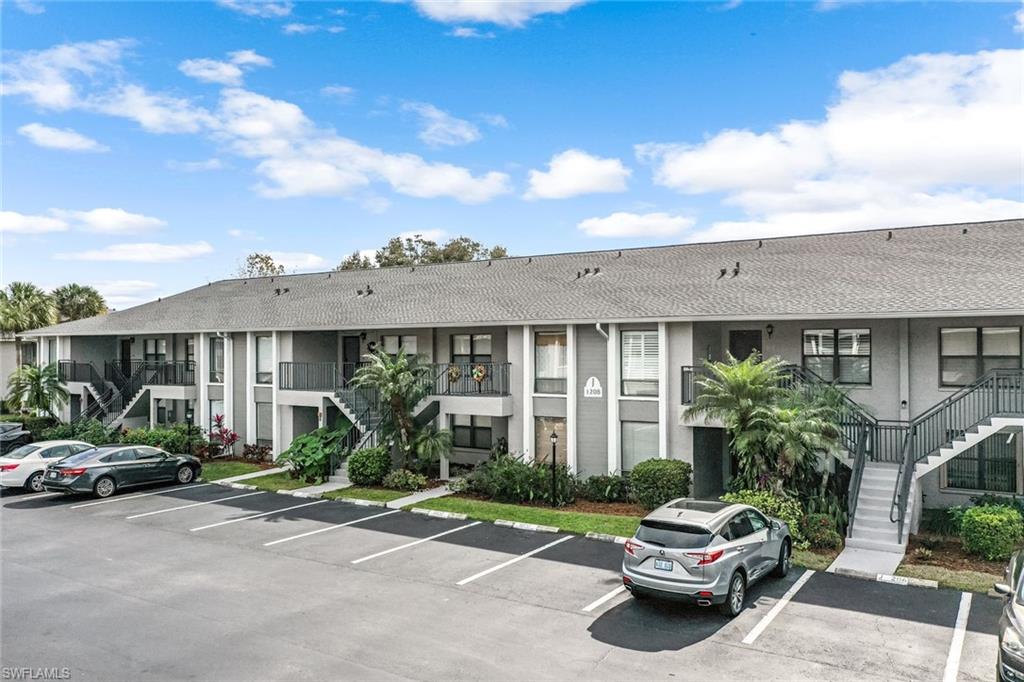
(820, 531)
(369, 466)
(604, 489)
(33, 424)
(310, 453)
(403, 479)
(256, 453)
(944, 522)
(654, 482)
(989, 500)
(992, 532)
(507, 478)
(91, 431)
(173, 439)
(782, 508)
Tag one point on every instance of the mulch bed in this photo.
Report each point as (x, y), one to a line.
(580, 506)
(948, 552)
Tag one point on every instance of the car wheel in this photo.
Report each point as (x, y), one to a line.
(35, 482)
(785, 560)
(185, 474)
(737, 592)
(104, 487)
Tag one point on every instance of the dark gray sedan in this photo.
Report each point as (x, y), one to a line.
(106, 469)
(1010, 662)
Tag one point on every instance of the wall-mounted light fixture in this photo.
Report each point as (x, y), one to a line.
(770, 329)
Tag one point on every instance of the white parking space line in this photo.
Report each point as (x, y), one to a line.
(331, 527)
(194, 504)
(956, 646)
(133, 497)
(779, 605)
(606, 598)
(34, 496)
(415, 542)
(255, 516)
(519, 558)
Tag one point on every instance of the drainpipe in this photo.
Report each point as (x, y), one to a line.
(597, 326)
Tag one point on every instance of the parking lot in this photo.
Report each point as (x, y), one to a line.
(209, 582)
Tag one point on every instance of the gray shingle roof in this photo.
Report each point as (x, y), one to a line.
(918, 271)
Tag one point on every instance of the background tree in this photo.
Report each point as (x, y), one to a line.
(416, 250)
(400, 381)
(355, 261)
(36, 388)
(76, 302)
(259, 265)
(25, 306)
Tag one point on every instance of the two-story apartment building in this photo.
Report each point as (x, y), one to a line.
(600, 347)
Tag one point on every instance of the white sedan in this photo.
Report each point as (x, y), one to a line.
(23, 467)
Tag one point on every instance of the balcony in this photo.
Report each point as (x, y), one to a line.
(152, 372)
(455, 379)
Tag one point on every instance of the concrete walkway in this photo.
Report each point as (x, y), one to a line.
(243, 477)
(422, 495)
(866, 561)
(326, 487)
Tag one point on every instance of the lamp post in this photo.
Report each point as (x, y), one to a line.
(189, 415)
(554, 470)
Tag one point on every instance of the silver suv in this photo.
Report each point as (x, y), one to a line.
(705, 553)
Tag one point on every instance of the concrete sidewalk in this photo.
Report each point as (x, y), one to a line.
(866, 561)
(243, 477)
(422, 495)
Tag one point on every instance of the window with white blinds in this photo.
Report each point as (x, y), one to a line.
(640, 363)
(842, 355)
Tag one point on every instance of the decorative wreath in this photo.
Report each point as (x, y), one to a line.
(479, 373)
(454, 373)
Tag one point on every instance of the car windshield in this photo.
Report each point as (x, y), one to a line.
(22, 452)
(674, 535)
(82, 456)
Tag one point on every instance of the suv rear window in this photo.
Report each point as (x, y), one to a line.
(674, 535)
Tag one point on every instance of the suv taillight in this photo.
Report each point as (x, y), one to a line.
(705, 558)
(631, 546)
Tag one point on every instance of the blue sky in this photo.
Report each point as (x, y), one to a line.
(148, 147)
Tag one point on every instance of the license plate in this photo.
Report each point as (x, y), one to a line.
(52, 474)
(663, 564)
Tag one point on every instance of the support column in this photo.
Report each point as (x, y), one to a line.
(152, 410)
(570, 397)
(250, 386)
(229, 381)
(663, 382)
(445, 422)
(614, 385)
(904, 346)
(527, 392)
(203, 375)
(275, 341)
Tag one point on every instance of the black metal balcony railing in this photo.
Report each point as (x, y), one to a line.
(461, 379)
(153, 372)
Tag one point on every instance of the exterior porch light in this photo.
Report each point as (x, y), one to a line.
(770, 329)
(189, 416)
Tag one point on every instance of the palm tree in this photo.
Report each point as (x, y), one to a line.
(75, 302)
(36, 388)
(432, 444)
(25, 306)
(401, 383)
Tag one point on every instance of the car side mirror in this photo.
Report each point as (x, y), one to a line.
(776, 525)
(1003, 589)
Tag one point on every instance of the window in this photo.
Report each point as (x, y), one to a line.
(393, 344)
(550, 364)
(126, 455)
(51, 351)
(58, 452)
(28, 352)
(216, 360)
(640, 363)
(991, 466)
(543, 428)
(264, 360)
(639, 442)
(738, 527)
(190, 350)
(673, 535)
(757, 522)
(265, 424)
(966, 353)
(216, 408)
(471, 348)
(161, 410)
(840, 355)
(155, 350)
(471, 432)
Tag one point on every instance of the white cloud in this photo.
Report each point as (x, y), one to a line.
(439, 128)
(236, 233)
(435, 234)
(501, 12)
(248, 58)
(156, 113)
(931, 138)
(575, 172)
(470, 32)
(60, 138)
(495, 120)
(196, 166)
(13, 222)
(342, 92)
(124, 293)
(46, 76)
(624, 224)
(211, 71)
(110, 220)
(293, 260)
(141, 253)
(29, 7)
(255, 8)
(304, 29)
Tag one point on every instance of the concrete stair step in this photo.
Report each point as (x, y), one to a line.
(873, 534)
(858, 543)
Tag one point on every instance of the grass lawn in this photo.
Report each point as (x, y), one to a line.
(815, 561)
(968, 581)
(281, 481)
(372, 494)
(213, 471)
(572, 522)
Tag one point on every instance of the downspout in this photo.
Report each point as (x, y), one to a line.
(597, 326)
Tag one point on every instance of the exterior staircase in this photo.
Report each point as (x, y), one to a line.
(871, 528)
(114, 393)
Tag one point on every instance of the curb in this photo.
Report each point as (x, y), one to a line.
(438, 514)
(239, 486)
(605, 537)
(886, 578)
(518, 525)
(361, 503)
